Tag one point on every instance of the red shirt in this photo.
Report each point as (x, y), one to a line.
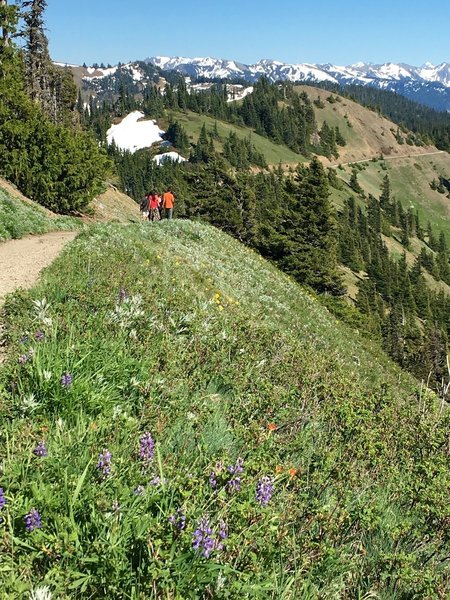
(154, 202)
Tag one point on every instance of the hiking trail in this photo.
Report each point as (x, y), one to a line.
(21, 261)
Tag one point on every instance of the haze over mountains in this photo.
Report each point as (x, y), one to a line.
(428, 84)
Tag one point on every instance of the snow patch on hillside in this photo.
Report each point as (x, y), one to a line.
(133, 134)
(173, 156)
(239, 93)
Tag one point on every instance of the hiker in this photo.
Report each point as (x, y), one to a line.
(143, 207)
(153, 207)
(167, 204)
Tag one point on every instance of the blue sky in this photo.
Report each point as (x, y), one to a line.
(336, 31)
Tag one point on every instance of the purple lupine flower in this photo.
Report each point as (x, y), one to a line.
(238, 467)
(213, 480)
(66, 379)
(147, 448)
(3, 501)
(264, 490)
(178, 520)
(203, 538)
(139, 490)
(223, 534)
(40, 450)
(156, 481)
(104, 464)
(33, 520)
(234, 485)
(39, 336)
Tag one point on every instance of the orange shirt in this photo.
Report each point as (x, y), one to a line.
(168, 200)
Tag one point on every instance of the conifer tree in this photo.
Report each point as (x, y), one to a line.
(8, 21)
(385, 197)
(310, 251)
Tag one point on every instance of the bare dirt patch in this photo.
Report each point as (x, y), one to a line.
(22, 260)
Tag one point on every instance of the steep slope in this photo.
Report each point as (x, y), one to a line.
(20, 216)
(188, 420)
(368, 135)
(114, 206)
(410, 178)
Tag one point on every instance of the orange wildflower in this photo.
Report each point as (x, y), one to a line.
(271, 426)
(293, 472)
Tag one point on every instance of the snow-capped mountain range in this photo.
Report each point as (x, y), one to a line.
(428, 84)
(364, 73)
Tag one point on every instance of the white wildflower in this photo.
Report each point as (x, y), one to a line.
(29, 404)
(220, 583)
(42, 593)
(42, 308)
(127, 312)
(47, 375)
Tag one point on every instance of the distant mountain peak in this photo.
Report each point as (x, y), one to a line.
(428, 84)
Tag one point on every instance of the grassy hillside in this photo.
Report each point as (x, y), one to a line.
(114, 206)
(20, 216)
(188, 423)
(366, 132)
(274, 153)
(410, 181)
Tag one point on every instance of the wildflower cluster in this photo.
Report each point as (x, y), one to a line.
(264, 490)
(104, 464)
(178, 520)
(127, 310)
(66, 379)
(139, 490)
(234, 484)
(24, 358)
(205, 540)
(33, 520)
(230, 478)
(147, 448)
(40, 450)
(39, 336)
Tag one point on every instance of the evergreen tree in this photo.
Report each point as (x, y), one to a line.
(354, 183)
(310, 250)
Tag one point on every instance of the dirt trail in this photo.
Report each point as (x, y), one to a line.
(355, 162)
(22, 260)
